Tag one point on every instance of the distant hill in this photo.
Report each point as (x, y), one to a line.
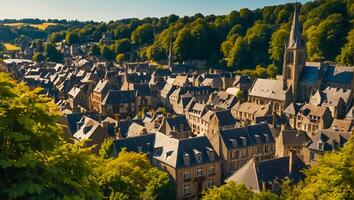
(243, 39)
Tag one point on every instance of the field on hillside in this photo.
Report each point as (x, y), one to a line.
(11, 47)
(42, 26)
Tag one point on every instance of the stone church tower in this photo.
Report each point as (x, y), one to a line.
(294, 58)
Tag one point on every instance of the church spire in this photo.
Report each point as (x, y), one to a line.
(295, 40)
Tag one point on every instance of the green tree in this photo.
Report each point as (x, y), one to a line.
(35, 161)
(229, 191)
(57, 37)
(346, 56)
(107, 53)
(143, 34)
(325, 40)
(238, 54)
(272, 71)
(52, 53)
(120, 58)
(106, 148)
(122, 46)
(95, 50)
(257, 39)
(72, 37)
(182, 45)
(331, 178)
(278, 41)
(131, 176)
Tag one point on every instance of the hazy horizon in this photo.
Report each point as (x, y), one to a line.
(96, 10)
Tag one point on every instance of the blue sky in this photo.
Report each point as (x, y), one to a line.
(105, 10)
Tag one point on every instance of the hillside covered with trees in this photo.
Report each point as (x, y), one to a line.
(243, 39)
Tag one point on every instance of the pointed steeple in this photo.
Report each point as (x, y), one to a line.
(295, 40)
(170, 54)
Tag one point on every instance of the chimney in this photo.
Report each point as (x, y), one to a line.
(291, 161)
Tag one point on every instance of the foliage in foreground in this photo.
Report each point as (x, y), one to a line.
(37, 163)
(231, 191)
(331, 179)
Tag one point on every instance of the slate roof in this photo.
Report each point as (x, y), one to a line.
(313, 110)
(339, 75)
(309, 75)
(176, 122)
(173, 150)
(252, 108)
(124, 125)
(330, 139)
(136, 129)
(87, 129)
(334, 94)
(268, 88)
(132, 144)
(116, 97)
(142, 90)
(253, 173)
(76, 117)
(169, 150)
(342, 125)
(249, 133)
(294, 137)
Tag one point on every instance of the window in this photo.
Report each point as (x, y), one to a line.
(258, 138)
(266, 137)
(211, 171)
(140, 149)
(233, 143)
(244, 141)
(210, 183)
(199, 172)
(266, 148)
(312, 156)
(235, 154)
(186, 189)
(198, 156)
(186, 159)
(244, 153)
(320, 145)
(187, 176)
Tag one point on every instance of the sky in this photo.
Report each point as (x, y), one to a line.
(106, 10)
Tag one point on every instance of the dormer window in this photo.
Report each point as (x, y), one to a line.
(233, 143)
(266, 137)
(198, 155)
(320, 145)
(258, 138)
(158, 151)
(140, 149)
(186, 159)
(244, 141)
(211, 154)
